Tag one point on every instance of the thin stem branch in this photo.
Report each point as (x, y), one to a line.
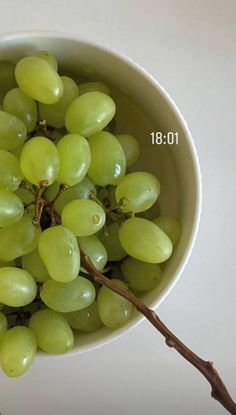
(219, 390)
(39, 203)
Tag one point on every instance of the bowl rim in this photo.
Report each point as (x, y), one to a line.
(115, 334)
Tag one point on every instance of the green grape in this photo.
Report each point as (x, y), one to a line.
(137, 191)
(25, 108)
(47, 57)
(10, 172)
(82, 190)
(52, 332)
(55, 114)
(93, 86)
(89, 113)
(40, 161)
(37, 79)
(58, 249)
(11, 208)
(141, 276)
(145, 241)
(7, 76)
(17, 351)
(170, 226)
(18, 239)
(110, 239)
(12, 131)
(69, 296)
(95, 250)
(113, 309)
(17, 151)
(150, 213)
(17, 287)
(7, 263)
(51, 191)
(107, 159)
(131, 148)
(56, 135)
(83, 217)
(35, 266)
(3, 324)
(75, 159)
(85, 320)
(25, 195)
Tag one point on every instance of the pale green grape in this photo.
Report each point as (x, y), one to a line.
(93, 86)
(113, 309)
(170, 226)
(12, 131)
(35, 266)
(25, 195)
(7, 76)
(83, 217)
(69, 296)
(47, 57)
(10, 172)
(17, 287)
(82, 190)
(58, 248)
(3, 324)
(40, 161)
(7, 263)
(18, 239)
(94, 249)
(75, 159)
(11, 208)
(51, 191)
(55, 114)
(17, 351)
(151, 213)
(137, 191)
(141, 276)
(145, 241)
(131, 148)
(22, 106)
(37, 79)
(89, 113)
(110, 239)
(52, 332)
(56, 135)
(85, 320)
(107, 159)
(17, 151)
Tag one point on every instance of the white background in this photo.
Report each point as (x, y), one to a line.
(190, 47)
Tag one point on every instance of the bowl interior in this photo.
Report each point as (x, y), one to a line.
(142, 107)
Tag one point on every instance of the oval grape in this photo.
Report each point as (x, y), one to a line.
(87, 320)
(52, 332)
(145, 241)
(11, 208)
(141, 276)
(89, 113)
(17, 351)
(37, 79)
(58, 248)
(10, 171)
(22, 106)
(75, 159)
(17, 287)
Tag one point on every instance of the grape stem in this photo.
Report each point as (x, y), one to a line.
(206, 368)
(39, 203)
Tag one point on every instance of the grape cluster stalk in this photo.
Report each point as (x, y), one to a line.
(218, 389)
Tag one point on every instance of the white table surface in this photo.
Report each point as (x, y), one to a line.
(190, 46)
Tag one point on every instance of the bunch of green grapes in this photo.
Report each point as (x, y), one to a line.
(65, 189)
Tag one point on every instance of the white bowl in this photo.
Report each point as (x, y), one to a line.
(143, 106)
